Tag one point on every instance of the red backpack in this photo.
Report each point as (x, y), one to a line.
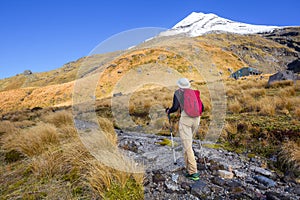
(192, 104)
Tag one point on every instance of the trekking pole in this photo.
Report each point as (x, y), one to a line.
(200, 144)
(174, 157)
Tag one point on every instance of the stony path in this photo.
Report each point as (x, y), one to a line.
(224, 175)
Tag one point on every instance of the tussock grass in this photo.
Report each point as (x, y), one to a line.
(24, 124)
(32, 141)
(59, 118)
(289, 157)
(280, 84)
(7, 127)
(234, 106)
(257, 92)
(232, 93)
(55, 155)
(267, 106)
(114, 184)
(49, 164)
(297, 113)
(108, 129)
(68, 132)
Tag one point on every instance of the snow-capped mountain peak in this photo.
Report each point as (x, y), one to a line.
(197, 24)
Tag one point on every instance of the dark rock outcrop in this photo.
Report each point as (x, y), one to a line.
(294, 66)
(289, 37)
(282, 76)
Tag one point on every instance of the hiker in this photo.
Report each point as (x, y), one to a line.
(187, 127)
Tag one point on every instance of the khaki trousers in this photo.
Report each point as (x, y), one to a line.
(187, 128)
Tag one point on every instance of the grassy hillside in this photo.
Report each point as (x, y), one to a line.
(223, 51)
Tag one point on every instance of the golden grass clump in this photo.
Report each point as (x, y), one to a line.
(61, 160)
(234, 106)
(113, 184)
(49, 164)
(68, 132)
(232, 93)
(287, 91)
(267, 106)
(297, 112)
(280, 102)
(7, 127)
(59, 118)
(289, 157)
(245, 99)
(248, 84)
(32, 141)
(257, 92)
(280, 84)
(108, 129)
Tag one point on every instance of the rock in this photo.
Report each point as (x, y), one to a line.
(225, 174)
(261, 171)
(175, 177)
(117, 94)
(227, 167)
(130, 145)
(201, 167)
(214, 167)
(218, 181)
(217, 189)
(234, 183)
(185, 186)
(239, 174)
(276, 196)
(240, 196)
(280, 76)
(199, 189)
(146, 181)
(265, 181)
(158, 177)
(27, 72)
(295, 190)
(171, 186)
(294, 66)
(237, 190)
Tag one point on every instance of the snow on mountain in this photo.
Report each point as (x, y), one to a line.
(199, 23)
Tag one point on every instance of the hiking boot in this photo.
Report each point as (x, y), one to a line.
(194, 177)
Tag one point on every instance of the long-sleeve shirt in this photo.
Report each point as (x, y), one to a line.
(177, 98)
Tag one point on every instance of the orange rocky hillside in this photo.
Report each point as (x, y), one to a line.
(220, 52)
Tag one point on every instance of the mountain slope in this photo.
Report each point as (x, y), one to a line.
(227, 52)
(289, 37)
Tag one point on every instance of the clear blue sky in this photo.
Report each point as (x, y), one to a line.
(42, 35)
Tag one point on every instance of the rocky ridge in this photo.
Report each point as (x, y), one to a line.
(223, 174)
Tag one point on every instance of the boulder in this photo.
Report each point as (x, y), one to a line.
(281, 76)
(27, 72)
(294, 66)
(265, 181)
(225, 174)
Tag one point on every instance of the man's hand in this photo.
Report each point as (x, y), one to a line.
(167, 110)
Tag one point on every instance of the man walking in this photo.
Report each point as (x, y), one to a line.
(187, 124)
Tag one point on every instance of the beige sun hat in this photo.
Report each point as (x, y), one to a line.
(183, 83)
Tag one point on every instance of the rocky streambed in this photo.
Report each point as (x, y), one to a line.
(223, 174)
